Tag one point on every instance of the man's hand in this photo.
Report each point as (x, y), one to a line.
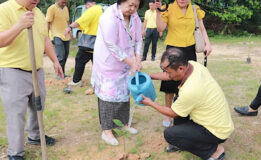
(143, 34)
(67, 31)
(71, 36)
(160, 34)
(27, 20)
(58, 69)
(147, 101)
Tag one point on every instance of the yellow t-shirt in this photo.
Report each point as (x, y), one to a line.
(58, 18)
(202, 98)
(17, 55)
(89, 20)
(181, 27)
(150, 17)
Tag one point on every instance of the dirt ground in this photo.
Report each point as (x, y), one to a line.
(77, 130)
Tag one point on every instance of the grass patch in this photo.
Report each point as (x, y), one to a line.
(73, 118)
(219, 39)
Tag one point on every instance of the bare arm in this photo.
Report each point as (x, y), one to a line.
(49, 50)
(161, 26)
(8, 36)
(160, 76)
(162, 109)
(68, 29)
(71, 35)
(205, 36)
(144, 28)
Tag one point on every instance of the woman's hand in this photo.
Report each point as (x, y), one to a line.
(138, 61)
(208, 49)
(134, 67)
(158, 4)
(135, 64)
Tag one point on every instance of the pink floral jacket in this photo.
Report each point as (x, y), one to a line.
(115, 42)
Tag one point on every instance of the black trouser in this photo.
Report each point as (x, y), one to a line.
(62, 51)
(193, 138)
(255, 104)
(151, 35)
(81, 59)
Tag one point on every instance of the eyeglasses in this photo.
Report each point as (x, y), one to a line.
(164, 69)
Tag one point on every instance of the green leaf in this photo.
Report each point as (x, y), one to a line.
(72, 70)
(127, 134)
(118, 122)
(118, 132)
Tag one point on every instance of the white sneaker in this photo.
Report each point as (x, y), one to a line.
(112, 141)
(75, 84)
(132, 130)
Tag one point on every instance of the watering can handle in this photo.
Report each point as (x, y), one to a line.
(137, 80)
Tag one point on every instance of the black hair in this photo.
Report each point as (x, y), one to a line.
(151, 1)
(175, 57)
(86, 1)
(140, 6)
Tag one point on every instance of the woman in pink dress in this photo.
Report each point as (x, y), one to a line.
(117, 55)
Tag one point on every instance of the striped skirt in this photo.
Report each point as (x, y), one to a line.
(113, 110)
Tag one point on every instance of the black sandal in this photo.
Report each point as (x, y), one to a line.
(220, 157)
(171, 148)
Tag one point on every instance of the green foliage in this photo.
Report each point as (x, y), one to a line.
(234, 13)
(211, 33)
(120, 132)
(118, 123)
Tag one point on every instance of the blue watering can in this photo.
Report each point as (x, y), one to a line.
(141, 84)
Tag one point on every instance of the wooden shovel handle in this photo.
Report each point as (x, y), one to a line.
(38, 105)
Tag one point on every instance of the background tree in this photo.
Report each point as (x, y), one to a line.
(236, 17)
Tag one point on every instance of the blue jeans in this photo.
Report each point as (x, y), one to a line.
(62, 50)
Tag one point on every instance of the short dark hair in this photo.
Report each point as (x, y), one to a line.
(175, 57)
(88, 1)
(140, 6)
(151, 1)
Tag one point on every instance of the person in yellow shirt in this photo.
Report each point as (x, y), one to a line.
(88, 23)
(201, 97)
(57, 16)
(179, 19)
(16, 84)
(149, 31)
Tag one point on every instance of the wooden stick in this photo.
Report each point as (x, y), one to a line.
(38, 105)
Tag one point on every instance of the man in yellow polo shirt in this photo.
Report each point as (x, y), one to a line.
(149, 31)
(201, 97)
(57, 17)
(88, 23)
(16, 86)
